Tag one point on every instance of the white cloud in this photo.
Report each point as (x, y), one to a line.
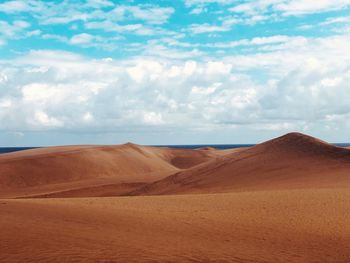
(152, 118)
(5, 103)
(300, 86)
(257, 41)
(225, 26)
(205, 90)
(82, 38)
(161, 51)
(109, 26)
(204, 2)
(340, 24)
(94, 11)
(99, 3)
(105, 94)
(300, 7)
(65, 19)
(87, 117)
(207, 28)
(289, 7)
(14, 29)
(32, 33)
(19, 6)
(217, 67)
(198, 10)
(55, 37)
(336, 20)
(283, 126)
(41, 93)
(85, 40)
(42, 119)
(150, 14)
(14, 6)
(103, 15)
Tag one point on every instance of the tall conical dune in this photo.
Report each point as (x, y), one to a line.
(294, 160)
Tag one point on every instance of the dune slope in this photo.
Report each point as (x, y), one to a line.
(70, 168)
(289, 162)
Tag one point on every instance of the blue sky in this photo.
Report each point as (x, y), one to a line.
(173, 72)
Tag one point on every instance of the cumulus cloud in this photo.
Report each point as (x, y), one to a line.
(61, 90)
(160, 77)
(300, 86)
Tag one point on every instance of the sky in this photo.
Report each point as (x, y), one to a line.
(173, 72)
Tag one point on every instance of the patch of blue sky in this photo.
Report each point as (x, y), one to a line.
(115, 42)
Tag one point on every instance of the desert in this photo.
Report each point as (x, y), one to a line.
(284, 200)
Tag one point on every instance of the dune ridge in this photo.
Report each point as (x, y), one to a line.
(77, 167)
(291, 161)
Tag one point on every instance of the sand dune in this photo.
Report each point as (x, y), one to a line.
(290, 162)
(52, 169)
(285, 200)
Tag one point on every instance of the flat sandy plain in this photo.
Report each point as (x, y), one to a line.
(285, 200)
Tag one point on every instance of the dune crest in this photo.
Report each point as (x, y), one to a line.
(291, 161)
(301, 143)
(53, 169)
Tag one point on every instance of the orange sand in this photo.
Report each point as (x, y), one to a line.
(286, 200)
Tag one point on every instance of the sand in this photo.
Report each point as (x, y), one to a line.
(79, 168)
(275, 226)
(293, 161)
(285, 200)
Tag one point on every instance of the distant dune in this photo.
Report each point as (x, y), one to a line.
(285, 200)
(67, 168)
(292, 161)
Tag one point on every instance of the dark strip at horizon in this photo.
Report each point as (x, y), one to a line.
(194, 146)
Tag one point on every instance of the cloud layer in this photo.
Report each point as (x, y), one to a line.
(133, 69)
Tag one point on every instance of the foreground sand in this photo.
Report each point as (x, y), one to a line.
(273, 226)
